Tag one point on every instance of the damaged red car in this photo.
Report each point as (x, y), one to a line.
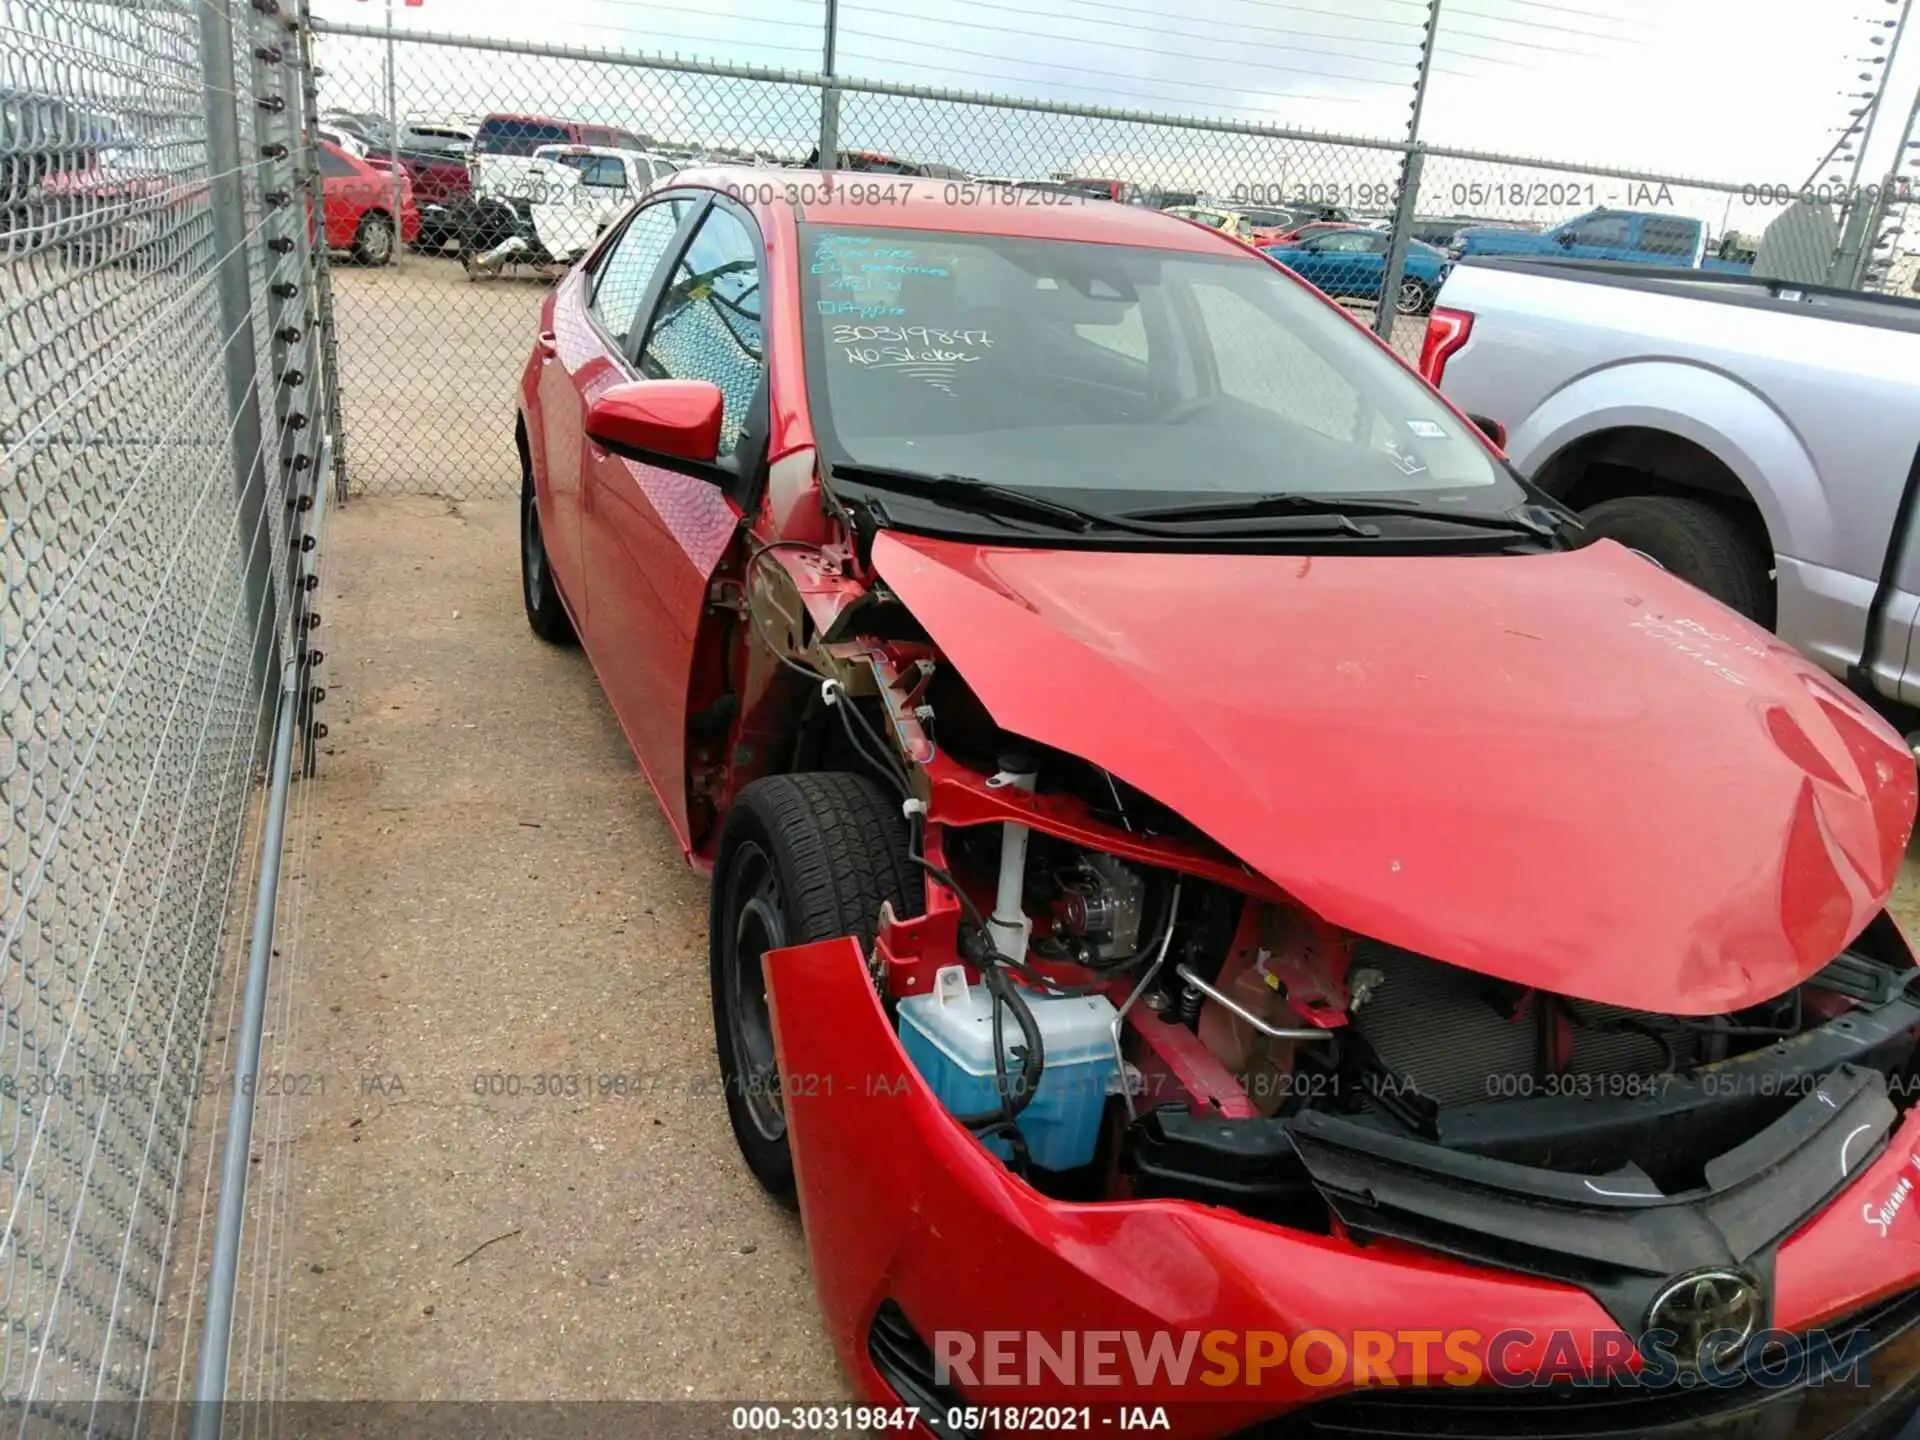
(1203, 853)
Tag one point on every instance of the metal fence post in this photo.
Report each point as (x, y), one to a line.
(830, 95)
(1406, 205)
(1403, 211)
(326, 352)
(1882, 200)
(234, 287)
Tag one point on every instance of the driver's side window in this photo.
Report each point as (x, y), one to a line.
(627, 269)
(707, 326)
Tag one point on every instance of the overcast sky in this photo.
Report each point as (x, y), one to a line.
(1733, 90)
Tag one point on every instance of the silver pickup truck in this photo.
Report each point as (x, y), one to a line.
(1757, 437)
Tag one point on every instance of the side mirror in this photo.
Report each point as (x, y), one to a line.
(1565, 237)
(645, 419)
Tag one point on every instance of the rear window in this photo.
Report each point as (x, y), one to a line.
(499, 136)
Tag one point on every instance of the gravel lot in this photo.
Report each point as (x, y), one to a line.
(431, 363)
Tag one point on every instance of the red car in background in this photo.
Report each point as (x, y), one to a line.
(1437, 962)
(1300, 233)
(359, 204)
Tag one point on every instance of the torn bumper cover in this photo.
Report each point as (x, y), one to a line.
(906, 1210)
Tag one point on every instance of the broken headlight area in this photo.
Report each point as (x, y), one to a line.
(1171, 1027)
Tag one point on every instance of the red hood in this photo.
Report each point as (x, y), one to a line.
(1570, 771)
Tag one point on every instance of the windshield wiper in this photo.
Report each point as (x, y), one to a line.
(1251, 507)
(982, 497)
(963, 492)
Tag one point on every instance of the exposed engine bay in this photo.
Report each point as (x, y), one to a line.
(1119, 1008)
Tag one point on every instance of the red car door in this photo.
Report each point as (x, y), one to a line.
(582, 353)
(652, 534)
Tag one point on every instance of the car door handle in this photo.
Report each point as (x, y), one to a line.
(547, 344)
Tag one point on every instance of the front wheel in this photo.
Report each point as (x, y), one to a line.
(802, 858)
(1413, 297)
(1703, 544)
(373, 240)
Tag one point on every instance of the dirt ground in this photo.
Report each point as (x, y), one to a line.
(499, 919)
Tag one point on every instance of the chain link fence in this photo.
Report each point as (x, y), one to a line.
(160, 385)
(434, 331)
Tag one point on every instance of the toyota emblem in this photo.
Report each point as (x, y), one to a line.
(1711, 1314)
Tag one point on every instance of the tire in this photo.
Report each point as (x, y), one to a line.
(802, 858)
(1698, 541)
(1413, 297)
(373, 240)
(546, 615)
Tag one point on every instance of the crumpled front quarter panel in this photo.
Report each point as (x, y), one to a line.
(1569, 770)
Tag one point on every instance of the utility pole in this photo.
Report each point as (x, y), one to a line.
(392, 131)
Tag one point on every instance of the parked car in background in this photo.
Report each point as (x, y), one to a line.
(364, 125)
(511, 168)
(1350, 263)
(1309, 229)
(1641, 237)
(1197, 849)
(1161, 199)
(442, 191)
(567, 196)
(438, 137)
(118, 206)
(1227, 222)
(1754, 437)
(503, 146)
(1271, 225)
(350, 141)
(358, 201)
(879, 162)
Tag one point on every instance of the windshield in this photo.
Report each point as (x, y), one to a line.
(1138, 375)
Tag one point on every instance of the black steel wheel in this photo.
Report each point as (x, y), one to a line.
(802, 858)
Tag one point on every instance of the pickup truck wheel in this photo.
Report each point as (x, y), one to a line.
(546, 616)
(801, 858)
(1699, 542)
(1413, 298)
(373, 240)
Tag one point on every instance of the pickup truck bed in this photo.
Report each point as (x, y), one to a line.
(1759, 437)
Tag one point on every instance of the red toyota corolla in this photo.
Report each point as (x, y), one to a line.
(1219, 901)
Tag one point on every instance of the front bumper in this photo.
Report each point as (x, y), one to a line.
(902, 1205)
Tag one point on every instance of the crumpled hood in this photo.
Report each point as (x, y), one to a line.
(1570, 771)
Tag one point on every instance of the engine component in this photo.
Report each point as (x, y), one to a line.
(1009, 926)
(1100, 903)
(1450, 1037)
(1248, 1166)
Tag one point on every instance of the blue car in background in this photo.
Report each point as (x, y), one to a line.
(1350, 264)
(1635, 237)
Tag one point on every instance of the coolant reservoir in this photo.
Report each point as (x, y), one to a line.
(1262, 1065)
